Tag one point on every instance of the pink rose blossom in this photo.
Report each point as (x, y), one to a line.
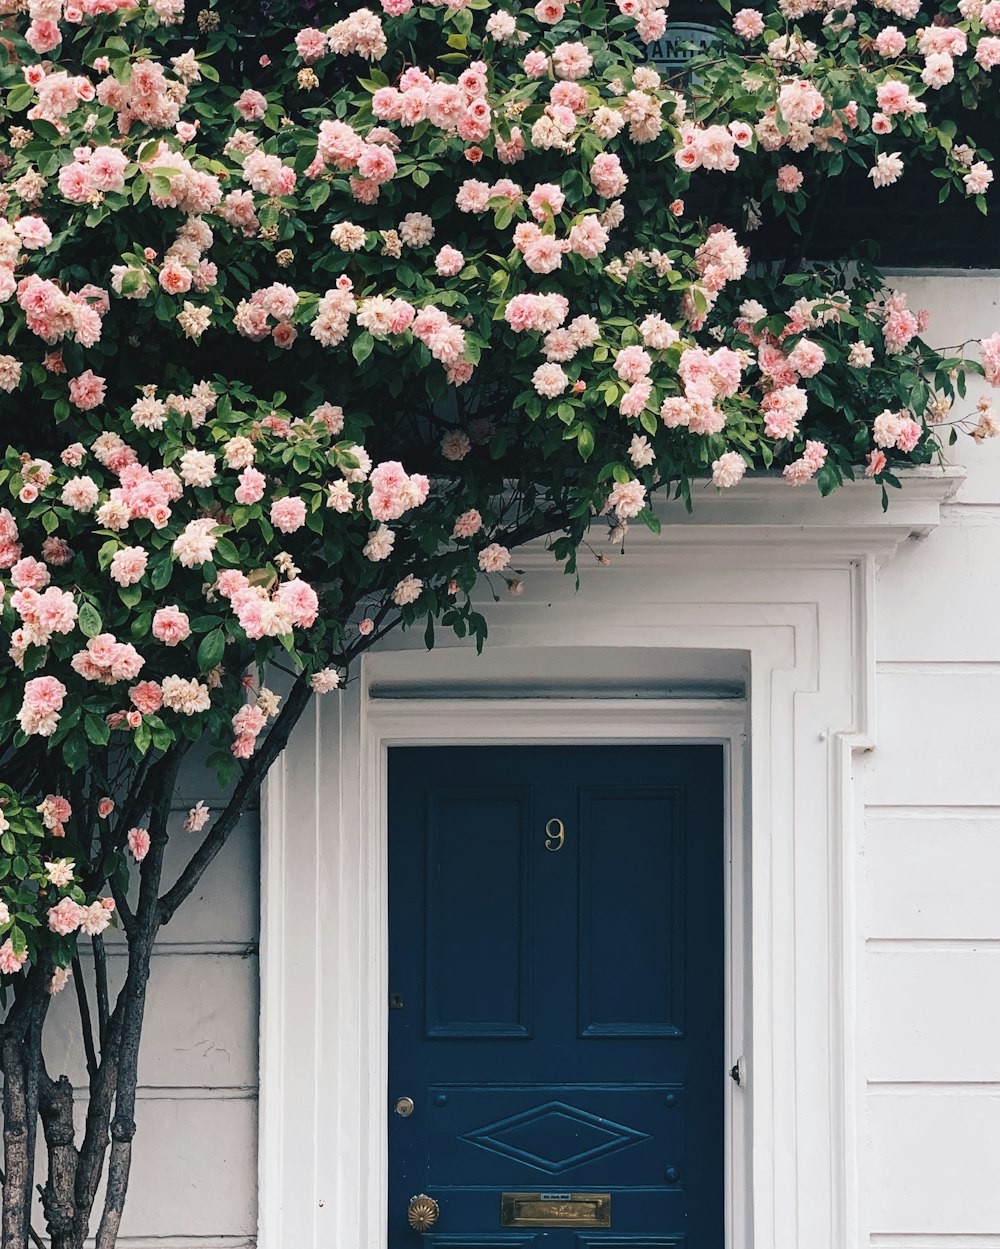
(288, 514)
(171, 625)
(138, 843)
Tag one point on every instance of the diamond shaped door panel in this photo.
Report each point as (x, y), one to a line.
(557, 1135)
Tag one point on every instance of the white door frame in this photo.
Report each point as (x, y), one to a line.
(779, 577)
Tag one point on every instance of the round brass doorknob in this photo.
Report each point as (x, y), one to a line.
(423, 1213)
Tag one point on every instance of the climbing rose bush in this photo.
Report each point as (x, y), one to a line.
(313, 313)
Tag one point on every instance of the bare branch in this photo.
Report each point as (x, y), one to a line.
(245, 791)
(86, 1026)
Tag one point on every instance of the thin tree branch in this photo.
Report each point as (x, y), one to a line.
(101, 982)
(245, 790)
(86, 1024)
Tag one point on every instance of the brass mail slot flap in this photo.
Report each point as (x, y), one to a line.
(555, 1210)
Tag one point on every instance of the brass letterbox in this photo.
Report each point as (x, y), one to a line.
(555, 1210)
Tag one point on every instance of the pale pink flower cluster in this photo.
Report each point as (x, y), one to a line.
(52, 611)
(783, 409)
(333, 314)
(394, 491)
(807, 465)
(53, 315)
(360, 34)
(67, 917)
(94, 171)
(901, 325)
(253, 317)
(55, 811)
(247, 724)
(10, 547)
(148, 97)
(460, 107)
(444, 338)
(43, 700)
(107, 661)
(11, 963)
(58, 93)
(712, 147)
(536, 312)
(989, 351)
(896, 429)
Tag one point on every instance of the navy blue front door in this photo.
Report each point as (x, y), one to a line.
(556, 992)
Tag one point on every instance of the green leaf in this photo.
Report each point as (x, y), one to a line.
(20, 97)
(362, 347)
(585, 443)
(211, 649)
(89, 620)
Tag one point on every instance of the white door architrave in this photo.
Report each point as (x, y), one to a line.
(773, 585)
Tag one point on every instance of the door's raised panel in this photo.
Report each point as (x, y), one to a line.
(555, 1135)
(631, 919)
(478, 917)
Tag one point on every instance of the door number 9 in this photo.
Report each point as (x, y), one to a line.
(555, 835)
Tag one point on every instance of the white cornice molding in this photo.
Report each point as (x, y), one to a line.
(763, 519)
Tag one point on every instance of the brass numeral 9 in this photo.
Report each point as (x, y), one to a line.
(555, 835)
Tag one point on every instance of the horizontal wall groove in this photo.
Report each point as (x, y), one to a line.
(937, 1240)
(937, 667)
(181, 949)
(934, 1088)
(938, 811)
(905, 945)
(187, 1093)
(238, 1241)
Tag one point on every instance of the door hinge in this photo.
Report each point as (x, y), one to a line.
(738, 1071)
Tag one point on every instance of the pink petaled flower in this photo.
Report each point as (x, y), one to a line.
(366, 626)
(87, 391)
(44, 694)
(890, 42)
(876, 463)
(989, 350)
(468, 524)
(251, 487)
(138, 843)
(311, 44)
(65, 917)
(407, 591)
(627, 499)
(748, 23)
(104, 807)
(789, 179)
(288, 513)
(146, 697)
(546, 198)
(632, 364)
(494, 558)
(171, 625)
(325, 681)
(197, 818)
(251, 105)
(536, 64)
(128, 565)
(29, 574)
(449, 261)
(11, 963)
(728, 469)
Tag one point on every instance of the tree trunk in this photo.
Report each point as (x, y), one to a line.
(58, 1194)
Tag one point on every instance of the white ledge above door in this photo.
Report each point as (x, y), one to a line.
(764, 520)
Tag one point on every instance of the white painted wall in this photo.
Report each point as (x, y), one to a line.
(194, 1174)
(928, 925)
(929, 939)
